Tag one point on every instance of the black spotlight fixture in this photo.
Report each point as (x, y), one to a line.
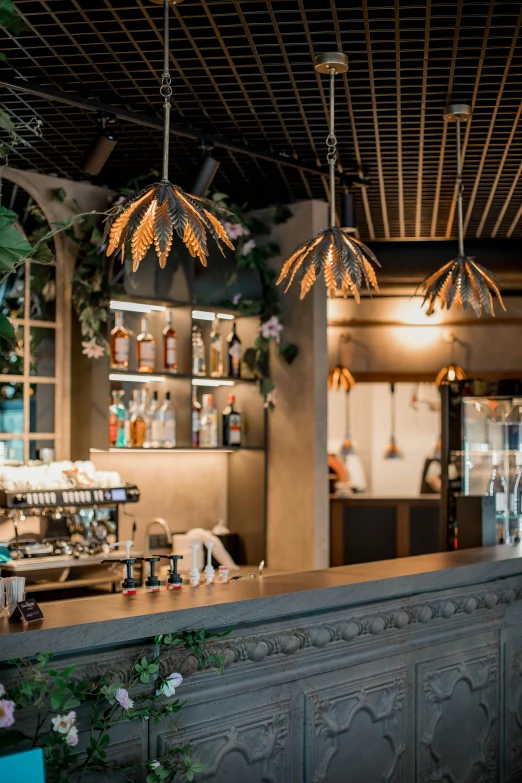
(100, 150)
(206, 175)
(347, 211)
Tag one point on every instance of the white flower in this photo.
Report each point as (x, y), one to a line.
(2, 690)
(248, 247)
(92, 350)
(72, 737)
(64, 723)
(271, 329)
(122, 697)
(168, 687)
(154, 764)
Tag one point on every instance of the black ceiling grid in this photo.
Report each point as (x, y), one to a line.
(243, 70)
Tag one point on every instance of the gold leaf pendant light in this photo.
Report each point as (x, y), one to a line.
(462, 281)
(162, 209)
(344, 261)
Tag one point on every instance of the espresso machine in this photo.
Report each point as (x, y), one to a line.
(58, 538)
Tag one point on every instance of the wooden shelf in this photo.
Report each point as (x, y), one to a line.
(179, 376)
(179, 449)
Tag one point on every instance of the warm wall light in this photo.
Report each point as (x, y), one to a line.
(163, 209)
(211, 382)
(340, 377)
(203, 315)
(449, 374)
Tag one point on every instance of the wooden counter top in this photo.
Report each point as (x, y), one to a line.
(78, 624)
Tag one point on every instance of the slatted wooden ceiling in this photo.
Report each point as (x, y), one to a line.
(243, 69)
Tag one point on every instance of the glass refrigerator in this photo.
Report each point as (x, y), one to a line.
(481, 456)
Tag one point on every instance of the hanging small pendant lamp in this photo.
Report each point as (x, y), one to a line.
(393, 451)
(462, 281)
(343, 260)
(163, 208)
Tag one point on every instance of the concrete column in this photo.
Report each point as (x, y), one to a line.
(297, 502)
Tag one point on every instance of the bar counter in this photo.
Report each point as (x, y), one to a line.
(379, 662)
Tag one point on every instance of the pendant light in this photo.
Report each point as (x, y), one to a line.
(393, 451)
(453, 371)
(343, 260)
(462, 281)
(163, 208)
(339, 378)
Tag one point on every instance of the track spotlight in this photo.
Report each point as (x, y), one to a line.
(206, 174)
(347, 210)
(100, 150)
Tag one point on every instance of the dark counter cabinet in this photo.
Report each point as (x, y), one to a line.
(364, 528)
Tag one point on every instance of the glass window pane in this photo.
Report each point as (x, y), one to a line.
(41, 407)
(42, 351)
(12, 450)
(12, 359)
(41, 449)
(11, 407)
(12, 294)
(43, 292)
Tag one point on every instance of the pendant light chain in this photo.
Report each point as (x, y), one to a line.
(460, 191)
(331, 142)
(166, 91)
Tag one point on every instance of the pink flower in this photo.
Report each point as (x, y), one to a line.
(248, 247)
(64, 723)
(236, 298)
(122, 697)
(168, 687)
(271, 398)
(6, 713)
(235, 230)
(271, 329)
(92, 350)
(72, 737)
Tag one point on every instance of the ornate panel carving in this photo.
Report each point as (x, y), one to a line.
(356, 726)
(248, 745)
(458, 719)
(514, 709)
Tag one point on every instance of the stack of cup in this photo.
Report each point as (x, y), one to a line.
(14, 590)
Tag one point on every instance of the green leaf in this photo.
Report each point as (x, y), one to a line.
(103, 741)
(71, 703)
(7, 331)
(42, 253)
(14, 247)
(198, 766)
(189, 774)
(153, 668)
(152, 778)
(56, 701)
(11, 738)
(144, 677)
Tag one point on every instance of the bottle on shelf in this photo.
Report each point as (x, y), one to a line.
(120, 344)
(199, 366)
(498, 489)
(515, 491)
(145, 348)
(233, 354)
(208, 438)
(196, 419)
(117, 421)
(167, 423)
(152, 418)
(216, 350)
(138, 422)
(133, 407)
(170, 345)
(232, 424)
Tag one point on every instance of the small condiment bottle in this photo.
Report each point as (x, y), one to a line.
(152, 583)
(194, 574)
(223, 573)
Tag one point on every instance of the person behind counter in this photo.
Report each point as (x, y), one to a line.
(431, 473)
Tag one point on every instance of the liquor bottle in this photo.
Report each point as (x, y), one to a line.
(208, 438)
(152, 416)
(233, 354)
(198, 352)
(133, 406)
(196, 420)
(515, 493)
(232, 429)
(170, 346)
(138, 422)
(167, 419)
(499, 490)
(216, 350)
(146, 348)
(120, 344)
(117, 421)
